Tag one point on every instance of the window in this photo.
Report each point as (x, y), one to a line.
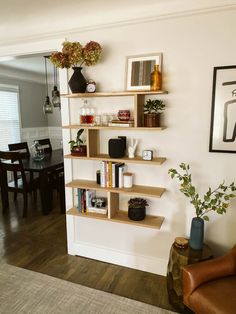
(9, 116)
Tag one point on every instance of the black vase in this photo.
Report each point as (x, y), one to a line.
(77, 81)
(197, 233)
(137, 214)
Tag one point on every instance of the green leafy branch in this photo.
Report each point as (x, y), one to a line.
(216, 200)
(154, 106)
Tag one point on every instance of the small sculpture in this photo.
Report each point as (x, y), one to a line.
(132, 148)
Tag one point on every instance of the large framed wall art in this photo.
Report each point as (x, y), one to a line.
(223, 111)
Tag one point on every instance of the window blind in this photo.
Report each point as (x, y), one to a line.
(9, 116)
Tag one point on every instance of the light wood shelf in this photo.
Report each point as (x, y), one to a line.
(98, 127)
(112, 94)
(136, 160)
(140, 190)
(153, 222)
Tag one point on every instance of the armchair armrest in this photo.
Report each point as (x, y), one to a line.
(196, 274)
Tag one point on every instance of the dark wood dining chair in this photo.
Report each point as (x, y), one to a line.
(23, 149)
(46, 144)
(10, 166)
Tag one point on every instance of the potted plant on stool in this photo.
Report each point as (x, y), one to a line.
(137, 208)
(76, 147)
(152, 110)
(216, 200)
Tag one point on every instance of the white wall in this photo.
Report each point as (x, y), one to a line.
(191, 47)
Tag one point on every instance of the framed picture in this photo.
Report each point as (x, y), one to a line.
(223, 111)
(138, 70)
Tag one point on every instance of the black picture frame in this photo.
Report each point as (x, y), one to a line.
(223, 110)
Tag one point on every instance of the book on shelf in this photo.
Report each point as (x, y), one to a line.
(112, 174)
(122, 122)
(88, 202)
(122, 125)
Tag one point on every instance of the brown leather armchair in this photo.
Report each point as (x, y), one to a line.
(210, 287)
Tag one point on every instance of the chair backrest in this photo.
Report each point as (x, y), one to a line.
(46, 144)
(22, 148)
(11, 163)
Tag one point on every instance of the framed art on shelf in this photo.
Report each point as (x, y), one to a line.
(138, 70)
(223, 111)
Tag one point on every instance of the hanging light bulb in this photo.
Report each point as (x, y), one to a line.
(56, 101)
(47, 107)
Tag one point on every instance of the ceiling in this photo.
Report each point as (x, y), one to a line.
(27, 19)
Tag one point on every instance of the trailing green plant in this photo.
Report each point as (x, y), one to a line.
(154, 106)
(137, 203)
(78, 141)
(216, 200)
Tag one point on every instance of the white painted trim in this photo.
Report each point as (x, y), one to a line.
(179, 9)
(109, 255)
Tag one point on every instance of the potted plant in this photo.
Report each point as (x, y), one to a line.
(216, 200)
(74, 55)
(137, 208)
(76, 147)
(152, 110)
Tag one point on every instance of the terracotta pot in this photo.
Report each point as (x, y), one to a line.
(79, 150)
(151, 120)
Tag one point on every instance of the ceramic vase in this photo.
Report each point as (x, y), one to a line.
(77, 81)
(196, 233)
(151, 120)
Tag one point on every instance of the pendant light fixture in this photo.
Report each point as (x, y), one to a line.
(56, 101)
(47, 107)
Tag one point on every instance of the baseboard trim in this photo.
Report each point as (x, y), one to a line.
(140, 262)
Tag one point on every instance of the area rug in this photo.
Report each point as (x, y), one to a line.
(25, 291)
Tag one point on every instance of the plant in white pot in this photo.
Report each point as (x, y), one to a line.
(216, 200)
(152, 110)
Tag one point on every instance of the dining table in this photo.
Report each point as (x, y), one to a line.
(50, 163)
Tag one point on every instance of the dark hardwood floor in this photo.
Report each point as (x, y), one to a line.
(38, 243)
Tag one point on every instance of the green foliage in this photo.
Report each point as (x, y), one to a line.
(216, 200)
(137, 203)
(78, 141)
(154, 106)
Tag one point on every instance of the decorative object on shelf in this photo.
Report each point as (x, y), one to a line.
(216, 200)
(98, 177)
(155, 79)
(91, 86)
(97, 120)
(47, 107)
(105, 119)
(75, 55)
(56, 100)
(138, 70)
(123, 124)
(137, 208)
(87, 114)
(223, 123)
(181, 242)
(124, 115)
(117, 147)
(152, 110)
(147, 154)
(76, 147)
(128, 179)
(37, 151)
(132, 147)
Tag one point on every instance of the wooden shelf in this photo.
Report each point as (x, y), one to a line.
(111, 94)
(153, 222)
(136, 160)
(77, 126)
(141, 190)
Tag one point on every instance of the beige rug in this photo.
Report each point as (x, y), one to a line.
(25, 291)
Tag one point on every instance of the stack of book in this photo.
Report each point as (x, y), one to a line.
(111, 174)
(85, 205)
(124, 124)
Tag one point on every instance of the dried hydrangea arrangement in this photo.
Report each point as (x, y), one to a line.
(73, 54)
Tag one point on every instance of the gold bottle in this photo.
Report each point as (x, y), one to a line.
(155, 78)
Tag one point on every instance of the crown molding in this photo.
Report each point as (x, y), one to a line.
(161, 16)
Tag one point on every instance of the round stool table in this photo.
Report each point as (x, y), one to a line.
(178, 258)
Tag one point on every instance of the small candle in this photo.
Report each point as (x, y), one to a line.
(128, 179)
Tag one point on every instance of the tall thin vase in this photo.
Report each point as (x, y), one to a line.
(77, 81)
(156, 79)
(197, 233)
